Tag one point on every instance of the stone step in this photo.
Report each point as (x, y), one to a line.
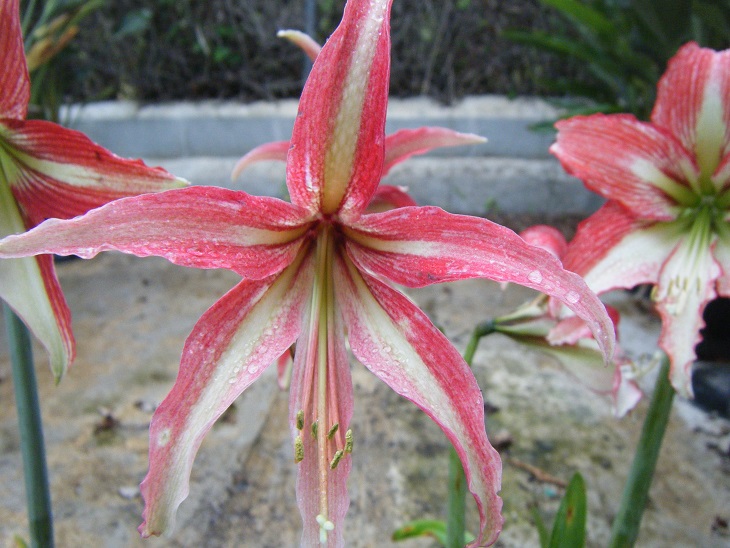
(213, 128)
(467, 185)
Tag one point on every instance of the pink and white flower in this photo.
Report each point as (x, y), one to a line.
(667, 182)
(315, 272)
(49, 171)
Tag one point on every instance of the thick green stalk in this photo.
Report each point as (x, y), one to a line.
(31, 432)
(457, 480)
(636, 491)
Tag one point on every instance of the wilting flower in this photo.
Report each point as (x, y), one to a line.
(49, 171)
(668, 189)
(567, 338)
(314, 271)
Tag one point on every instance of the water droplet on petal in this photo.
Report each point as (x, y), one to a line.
(535, 276)
(572, 297)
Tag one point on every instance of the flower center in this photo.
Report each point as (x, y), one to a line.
(322, 435)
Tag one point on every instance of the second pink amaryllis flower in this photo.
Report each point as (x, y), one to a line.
(314, 272)
(667, 219)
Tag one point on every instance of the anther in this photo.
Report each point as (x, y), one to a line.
(298, 449)
(300, 420)
(336, 459)
(333, 430)
(314, 429)
(348, 441)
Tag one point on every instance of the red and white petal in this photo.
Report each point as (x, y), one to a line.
(612, 249)
(275, 151)
(425, 245)
(693, 102)
(202, 227)
(303, 40)
(395, 340)
(388, 197)
(58, 172)
(626, 391)
(14, 80)
(403, 144)
(686, 285)
(30, 287)
(336, 157)
(546, 237)
(722, 256)
(322, 489)
(230, 346)
(637, 164)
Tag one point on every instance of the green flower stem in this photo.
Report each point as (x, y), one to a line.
(457, 479)
(31, 432)
(636, 491)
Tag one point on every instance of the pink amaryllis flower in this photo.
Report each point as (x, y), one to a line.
(667, 181)
(540, 325)
(49, 171)
(315, 272)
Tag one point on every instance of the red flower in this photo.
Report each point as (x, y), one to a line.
(314, 272)
(49, 171)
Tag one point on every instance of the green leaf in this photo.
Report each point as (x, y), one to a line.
(569, 528)
(426, 528)
(584, 15)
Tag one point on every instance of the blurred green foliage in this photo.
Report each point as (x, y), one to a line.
(624, 46)
(48, 28)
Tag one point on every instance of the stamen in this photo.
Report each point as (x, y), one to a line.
(336, 459)
(300, 420)
(332, 431)
(298, 449)
(325, 526)
(348, 441)
(314, 429)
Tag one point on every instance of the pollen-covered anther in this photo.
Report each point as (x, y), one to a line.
(298, 449)
(336, 459)
(314, 429)
(325, 526)
(332, 431)
(348, 441)
(300, 420)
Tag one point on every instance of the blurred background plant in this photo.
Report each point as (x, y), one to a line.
(623, 46)
(48, 28)
(165, 50)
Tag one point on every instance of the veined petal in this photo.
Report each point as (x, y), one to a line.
(635, 163)
(203, 227)
(398, 343)
(722, 256)
(31, 289)
(693, 102)
(336, 157)
(230, 346)
(303, 40)
(612, 249)
(686, 285)
(389, 197)
(322, 480)
(270, 151)
(58, 172)
(405, 143)
(546, 237)
(425, 245)
(14, 80)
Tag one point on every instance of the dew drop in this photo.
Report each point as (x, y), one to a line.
(572, 297)
(535, 276)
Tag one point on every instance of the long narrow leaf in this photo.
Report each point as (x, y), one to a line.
(569, 529)
(584, 15)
